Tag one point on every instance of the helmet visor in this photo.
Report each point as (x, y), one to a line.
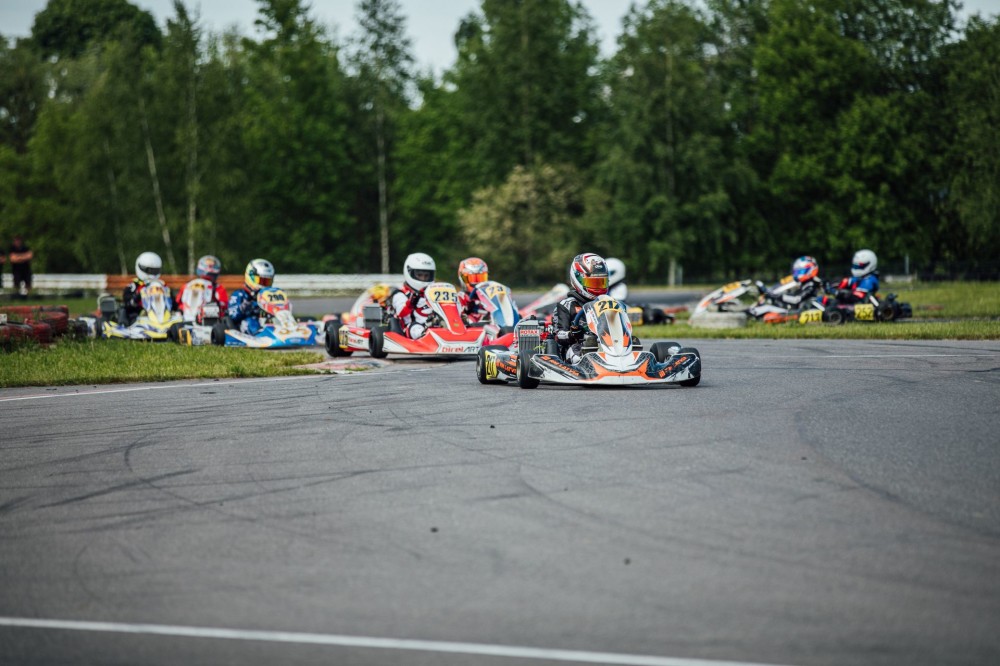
(595, 284)
(151, 271)
(265, 281)
(476, 278)
(422, 274)
(860, 265)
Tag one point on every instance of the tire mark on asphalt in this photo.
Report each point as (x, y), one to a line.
(122, 486)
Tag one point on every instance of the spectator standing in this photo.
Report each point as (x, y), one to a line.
(20, 256)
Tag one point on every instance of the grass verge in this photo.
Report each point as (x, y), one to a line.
(114, 361)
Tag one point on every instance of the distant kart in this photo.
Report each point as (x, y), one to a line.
(279, 328)
(731, 297)
(872, 309)
(375, 295)
(380, 334)
(156, 323)
(200, 312)
(611, 355)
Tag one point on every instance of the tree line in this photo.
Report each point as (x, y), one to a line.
(724, 137)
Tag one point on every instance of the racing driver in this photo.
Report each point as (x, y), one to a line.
(147, 268)
(471, 273)
(244, 313)
(588, 279)
(409, 305)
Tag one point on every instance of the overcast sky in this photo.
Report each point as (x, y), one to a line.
(430, 23)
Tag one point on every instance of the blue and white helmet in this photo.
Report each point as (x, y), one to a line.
(864, 263)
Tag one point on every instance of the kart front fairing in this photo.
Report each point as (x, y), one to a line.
(279, 328)
(155, 320)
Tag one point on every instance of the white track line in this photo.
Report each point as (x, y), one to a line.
(479, 649)
(161, 387)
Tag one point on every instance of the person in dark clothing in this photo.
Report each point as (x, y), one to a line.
(588, 279)
(20, 256)
(147, 268)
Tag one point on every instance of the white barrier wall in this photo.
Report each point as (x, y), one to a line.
(302, 284)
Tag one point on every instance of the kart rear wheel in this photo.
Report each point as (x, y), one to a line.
(481, 364)
(886, 311)
(376, 340)
(332, 341)
(523, 379)
(219, 334)
(173, 333)
(694, 381)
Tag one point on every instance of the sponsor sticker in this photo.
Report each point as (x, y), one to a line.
(491, 365)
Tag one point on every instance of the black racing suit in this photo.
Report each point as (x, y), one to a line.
(568, 336)
(132, 301)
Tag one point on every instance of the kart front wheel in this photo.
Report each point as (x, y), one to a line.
(173, 333)
(219, 334)
(662, 350)
(523, 379)
(376, 341)
(481, 364)
(694, 381)
(332, 341)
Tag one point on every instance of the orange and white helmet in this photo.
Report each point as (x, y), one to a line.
(588, 275)
(804, 268)
(472, 271)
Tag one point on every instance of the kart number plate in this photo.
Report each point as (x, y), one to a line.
(811, 316)
(864, 312)
(442, 295)
(492, 290)
(607, 305)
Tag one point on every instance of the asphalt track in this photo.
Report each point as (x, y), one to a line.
(812, 502)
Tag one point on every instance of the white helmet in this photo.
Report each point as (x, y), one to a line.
(148, 266)
(616, 271)
(418, 271)
(864, 263)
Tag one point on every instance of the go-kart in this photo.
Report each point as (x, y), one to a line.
(157, 322)
(871, 309)
(741, 296)
(501, 313)
(279, 329)
(610, 354)
(381, 335)
(201, 312)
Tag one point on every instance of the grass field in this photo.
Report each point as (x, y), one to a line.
(113, 361)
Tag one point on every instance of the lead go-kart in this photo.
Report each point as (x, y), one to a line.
(380, 333)
(610, 355)
(279, 329)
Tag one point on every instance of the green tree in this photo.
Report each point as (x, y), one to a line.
(525, 84)
(296, 131)
(513, 224)
(662, 150)
(974, 104)
(66, 27)
(382, 61)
